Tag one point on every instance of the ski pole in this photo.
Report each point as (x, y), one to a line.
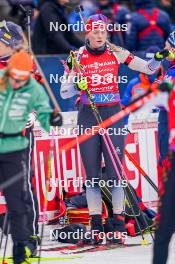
(49, 164)
(124, 176)
(105, 138)
(136, 164)
(109, 144)
(149, 95)
(78, 10)
(28, 12)
(6, 241)
(3, 228)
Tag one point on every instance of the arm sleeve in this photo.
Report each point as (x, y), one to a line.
(135, 63)
(42, 106)
(147, 67)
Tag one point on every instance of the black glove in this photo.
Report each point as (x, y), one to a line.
(56, 119)
(163, 54)
(166, 86)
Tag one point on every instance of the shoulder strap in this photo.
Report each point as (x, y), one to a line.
(152, 19)
(149, 17)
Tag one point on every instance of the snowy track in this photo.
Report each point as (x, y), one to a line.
(130, 255)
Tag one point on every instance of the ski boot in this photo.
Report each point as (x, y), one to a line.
(21, 254)
(115, 230)
(96, 235)
(32, 244)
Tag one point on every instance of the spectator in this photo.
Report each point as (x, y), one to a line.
(150, 26)
(168, 6)
(49, 39)
(117, 14)
(16, 14)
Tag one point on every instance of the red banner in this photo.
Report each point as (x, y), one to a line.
(67, 170)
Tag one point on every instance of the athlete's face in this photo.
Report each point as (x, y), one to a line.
(169, 47)
(5, 50)
(97, 38)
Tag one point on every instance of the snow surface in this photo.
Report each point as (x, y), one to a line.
(130, 255)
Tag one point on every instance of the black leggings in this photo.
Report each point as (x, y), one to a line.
(16, 194)
(92, 149)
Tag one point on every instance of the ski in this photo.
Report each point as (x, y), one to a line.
(35, 259)
(95, 248)
(73, 249)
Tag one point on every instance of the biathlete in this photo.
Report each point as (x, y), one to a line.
(166, 215)
(19, 95)
(12, 38)
(100, 65)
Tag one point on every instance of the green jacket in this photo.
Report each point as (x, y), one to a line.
(15, 106)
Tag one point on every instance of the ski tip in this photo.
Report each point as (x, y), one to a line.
(144, 242)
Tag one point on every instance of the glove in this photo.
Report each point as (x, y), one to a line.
(166, 86)
(161, 55)
(82, 84)
(56, 119)
(70, 63)
(31, 119)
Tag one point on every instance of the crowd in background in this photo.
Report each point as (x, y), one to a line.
(148, 22)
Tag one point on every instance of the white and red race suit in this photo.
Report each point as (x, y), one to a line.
(102, 74)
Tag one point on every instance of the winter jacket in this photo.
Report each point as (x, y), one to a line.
(47, 40)
(15, 106)
(136, 87)
(138, 38)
